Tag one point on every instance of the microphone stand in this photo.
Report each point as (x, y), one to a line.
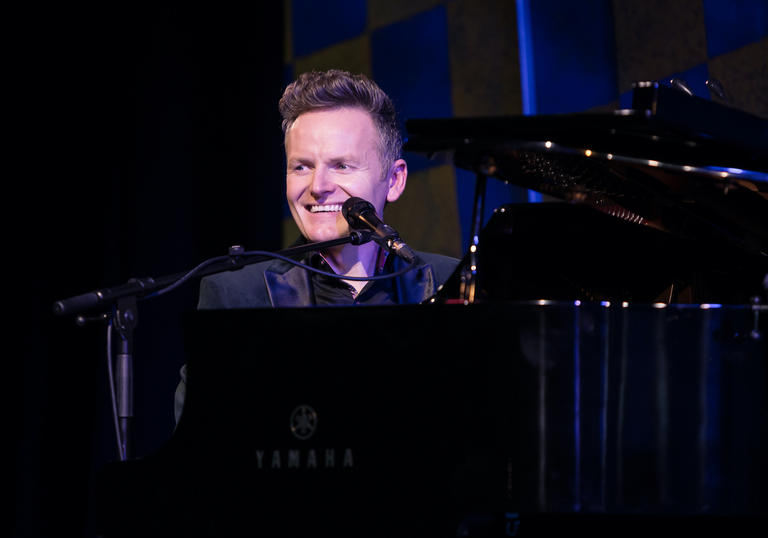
(469, 277)
(121, 303)
(125, 319)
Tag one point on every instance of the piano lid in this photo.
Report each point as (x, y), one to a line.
(678, 163)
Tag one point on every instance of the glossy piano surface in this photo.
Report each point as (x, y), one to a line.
(692, 168)
(666, 201)
(476, 417)
(568, 252)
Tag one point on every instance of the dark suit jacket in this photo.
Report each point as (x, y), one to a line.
(277, 283)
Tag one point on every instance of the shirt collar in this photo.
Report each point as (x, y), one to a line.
(318, 261)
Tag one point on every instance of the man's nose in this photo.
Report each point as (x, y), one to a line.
(322, 183)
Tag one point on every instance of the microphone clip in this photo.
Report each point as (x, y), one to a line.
(360, 237)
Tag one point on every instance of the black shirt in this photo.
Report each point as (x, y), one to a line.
(329, 291)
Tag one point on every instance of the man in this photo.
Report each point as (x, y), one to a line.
(341, 141)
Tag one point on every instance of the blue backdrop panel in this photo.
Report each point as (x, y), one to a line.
(731, 24)
(316, 25)
(573, 55)
(409, 60)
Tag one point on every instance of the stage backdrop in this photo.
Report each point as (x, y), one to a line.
(464, 58)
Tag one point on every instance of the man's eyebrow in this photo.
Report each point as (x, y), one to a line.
(300, 160)
(344, 158)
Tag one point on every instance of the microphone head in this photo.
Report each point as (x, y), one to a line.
(361, 215)
(353, 207)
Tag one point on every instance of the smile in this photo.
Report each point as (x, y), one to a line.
(328, 208)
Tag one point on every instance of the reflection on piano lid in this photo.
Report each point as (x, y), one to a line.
(679, 163)
(690, 174)
(569, 252)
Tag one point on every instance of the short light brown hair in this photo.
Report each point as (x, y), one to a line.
(317, 90)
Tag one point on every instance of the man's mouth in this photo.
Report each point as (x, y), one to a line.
(327, 208)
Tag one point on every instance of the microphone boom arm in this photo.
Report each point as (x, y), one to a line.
(146, 287)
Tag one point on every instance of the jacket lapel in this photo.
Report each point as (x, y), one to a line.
(289, 288)
(415, 286)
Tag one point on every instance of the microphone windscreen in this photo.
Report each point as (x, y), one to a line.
(354, 206)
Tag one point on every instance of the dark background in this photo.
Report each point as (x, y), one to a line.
(143, 142)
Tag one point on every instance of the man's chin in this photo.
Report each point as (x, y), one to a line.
(322, 237)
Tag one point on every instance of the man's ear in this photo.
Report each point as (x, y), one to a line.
(398, 176)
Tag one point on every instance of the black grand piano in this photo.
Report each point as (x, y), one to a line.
(665, 201)
(596, 364)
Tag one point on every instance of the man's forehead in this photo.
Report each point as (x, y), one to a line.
(343, 124)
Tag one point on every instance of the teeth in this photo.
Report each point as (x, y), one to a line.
(325, 208)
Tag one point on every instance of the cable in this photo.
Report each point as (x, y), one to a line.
(190, 274)
(197, 269)
(113, 396)
(332, 275)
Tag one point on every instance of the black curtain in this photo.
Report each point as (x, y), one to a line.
(144, 141)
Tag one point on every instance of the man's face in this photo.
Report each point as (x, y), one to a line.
(333, 155)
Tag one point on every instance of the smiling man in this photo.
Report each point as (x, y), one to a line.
(341, 141)
(333, 155)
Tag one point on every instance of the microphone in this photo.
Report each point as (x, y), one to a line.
(361, 215)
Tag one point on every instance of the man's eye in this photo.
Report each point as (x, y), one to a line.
(342, 166)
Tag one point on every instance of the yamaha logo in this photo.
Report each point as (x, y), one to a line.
(303, 426)
(303, 422)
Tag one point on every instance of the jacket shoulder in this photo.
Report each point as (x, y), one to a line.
(241, 288)
(442, 266)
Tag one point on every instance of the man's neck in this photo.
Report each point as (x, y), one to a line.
(353, 260)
